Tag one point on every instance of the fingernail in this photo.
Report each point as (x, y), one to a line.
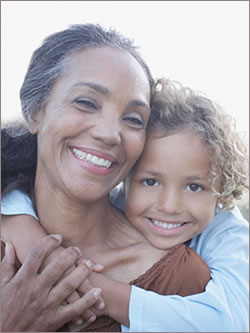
(88, 263)
(91, 319)
(57, 237)
(7, 249)
(77, 250)
(97, 292)
(101, 306)
(79, 322)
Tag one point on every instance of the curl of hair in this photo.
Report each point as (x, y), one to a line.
(176, 108)
(50, 59)
(18, 159)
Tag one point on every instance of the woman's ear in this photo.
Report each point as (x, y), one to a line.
(33, 123)
(33, 127)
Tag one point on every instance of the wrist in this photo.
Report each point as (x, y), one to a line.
(119, 305)
(116, 296)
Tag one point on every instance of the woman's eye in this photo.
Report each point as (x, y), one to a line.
(150, 182)
(134, 121)
(194, 188)
(86, 103)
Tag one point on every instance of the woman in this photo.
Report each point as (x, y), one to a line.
(90, 108)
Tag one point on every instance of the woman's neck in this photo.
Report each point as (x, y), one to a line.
(80, 223)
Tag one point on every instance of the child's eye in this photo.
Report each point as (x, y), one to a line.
(194, 188)
(150, 182)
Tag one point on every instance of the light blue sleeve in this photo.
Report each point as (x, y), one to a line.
(17, 203)
(224, 306)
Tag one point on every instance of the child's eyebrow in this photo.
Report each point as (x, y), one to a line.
(150, 173)
(197, 177)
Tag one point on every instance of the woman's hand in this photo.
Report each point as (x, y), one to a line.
(32, 301)
(88, 316)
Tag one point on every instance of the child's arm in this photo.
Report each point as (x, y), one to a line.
(116, 296)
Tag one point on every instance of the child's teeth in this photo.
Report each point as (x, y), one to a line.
(166, 225)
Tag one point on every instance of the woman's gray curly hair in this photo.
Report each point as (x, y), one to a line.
(176, 108)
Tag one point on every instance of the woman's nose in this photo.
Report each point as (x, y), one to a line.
(108, 130)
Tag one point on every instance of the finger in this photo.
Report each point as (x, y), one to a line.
(35, 258)
(83, 304)
(55, 270)
(8, 268)
(98, 268)
(10, 255)
(95, 267)
(70, 283)
(76, 326)
(71, 299)
(87, 286)
(88, 316)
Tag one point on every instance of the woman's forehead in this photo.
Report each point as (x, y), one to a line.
(109, 67)
(99, 60)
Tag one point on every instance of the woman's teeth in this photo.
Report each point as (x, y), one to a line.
(166, 225)
(91, 158)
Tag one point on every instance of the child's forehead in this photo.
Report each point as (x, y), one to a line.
(156, 136)
(179, 148)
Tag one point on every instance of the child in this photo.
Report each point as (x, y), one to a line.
(193, 163)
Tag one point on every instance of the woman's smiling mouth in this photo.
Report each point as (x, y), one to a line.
(92, 159)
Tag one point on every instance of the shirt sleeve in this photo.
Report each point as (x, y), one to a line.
(223, 307)
(17, 203)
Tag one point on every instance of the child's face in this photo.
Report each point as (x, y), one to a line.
(169, 198)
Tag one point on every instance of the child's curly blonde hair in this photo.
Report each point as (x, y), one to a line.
(175, 108)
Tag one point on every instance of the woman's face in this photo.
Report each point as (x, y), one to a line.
(92, 129)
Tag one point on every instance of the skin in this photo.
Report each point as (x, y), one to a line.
(37, 305)
(99, 105)
(170, 184)
(107, 119)
(126, 254)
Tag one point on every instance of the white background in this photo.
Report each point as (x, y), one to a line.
(203, 44)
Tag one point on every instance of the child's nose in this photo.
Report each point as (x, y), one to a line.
(170, 202)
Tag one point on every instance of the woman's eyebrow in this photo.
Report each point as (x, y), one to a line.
(95, 86)
(136, 102)
(104, 91)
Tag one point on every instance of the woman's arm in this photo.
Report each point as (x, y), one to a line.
(223, 306)
(24, 232)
